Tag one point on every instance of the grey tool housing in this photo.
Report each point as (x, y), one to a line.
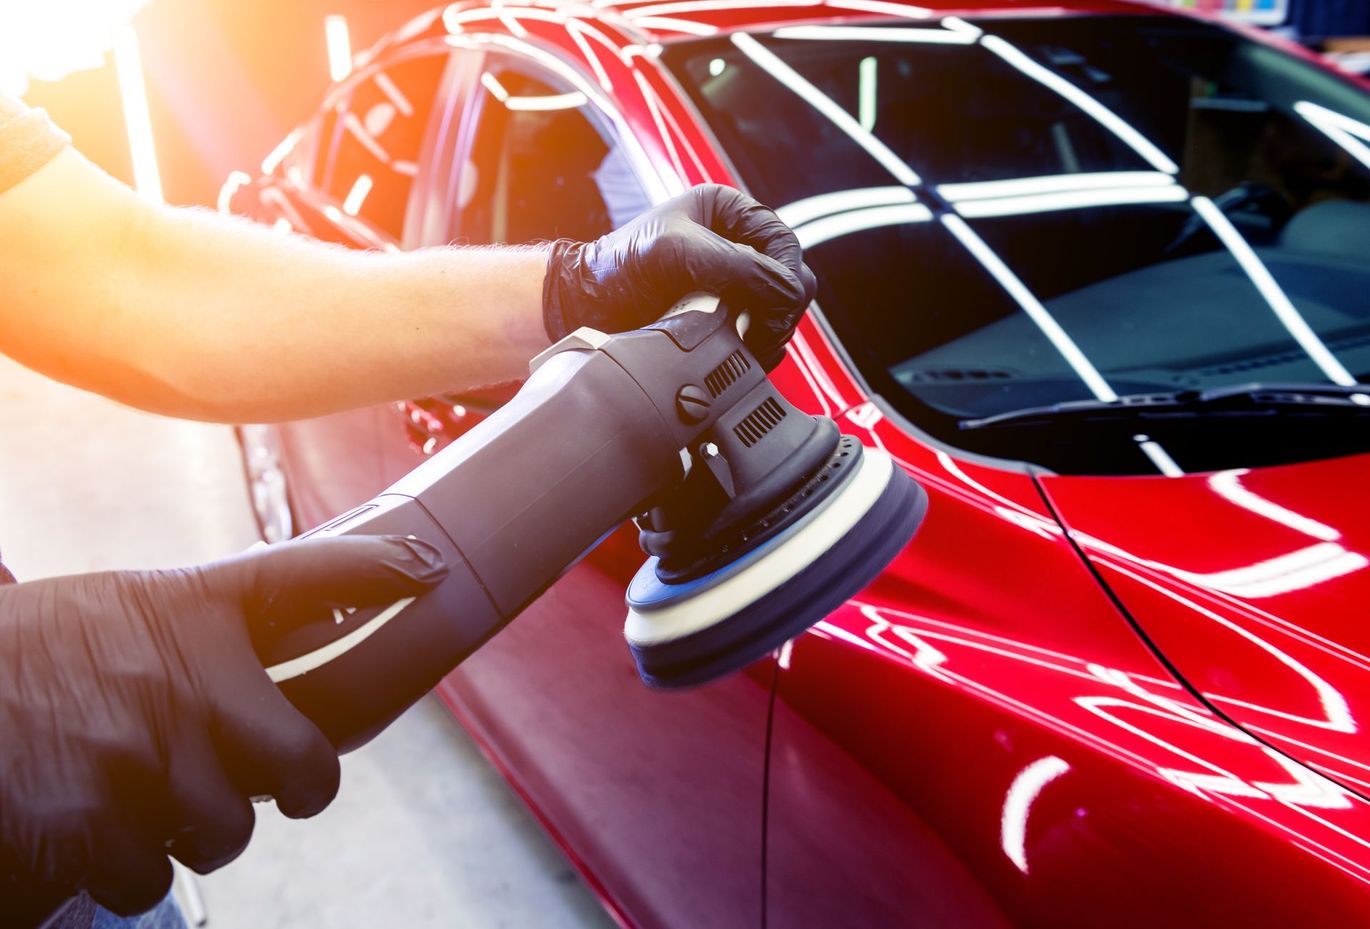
(675, 423)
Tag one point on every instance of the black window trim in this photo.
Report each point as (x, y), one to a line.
(653, 184)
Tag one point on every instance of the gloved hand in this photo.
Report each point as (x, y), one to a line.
(711, 238)
(137, 721)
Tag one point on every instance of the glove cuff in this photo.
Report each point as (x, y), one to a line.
(561, 258)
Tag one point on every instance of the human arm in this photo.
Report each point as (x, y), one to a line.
(201, 316)
(193, 314)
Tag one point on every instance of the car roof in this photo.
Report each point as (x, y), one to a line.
(658, 17)
(665, 21)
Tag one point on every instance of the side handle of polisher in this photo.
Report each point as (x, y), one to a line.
(356, 671)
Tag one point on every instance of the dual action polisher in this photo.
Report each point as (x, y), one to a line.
(759, 520)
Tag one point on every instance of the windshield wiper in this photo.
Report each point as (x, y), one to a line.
(1243, 400)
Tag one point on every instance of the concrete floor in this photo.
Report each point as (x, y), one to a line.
(424, 832)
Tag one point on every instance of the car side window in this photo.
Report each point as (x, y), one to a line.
(378, 137)
(542, 164)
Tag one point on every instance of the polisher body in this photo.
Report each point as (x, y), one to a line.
(677, 421)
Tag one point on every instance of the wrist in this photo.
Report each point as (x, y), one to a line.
(557, 317)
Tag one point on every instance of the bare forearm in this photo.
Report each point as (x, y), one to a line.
(247, 324)
(197, 315)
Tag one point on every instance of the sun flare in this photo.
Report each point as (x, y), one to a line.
(48, 39)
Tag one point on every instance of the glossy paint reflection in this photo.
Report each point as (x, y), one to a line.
(981, 739)
(1031, 740)
(1265, 625)
(1024, 790)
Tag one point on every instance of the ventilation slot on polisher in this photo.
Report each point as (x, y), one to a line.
(759, 422)
(722, 377)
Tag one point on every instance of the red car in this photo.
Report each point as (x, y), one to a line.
(1098, 276)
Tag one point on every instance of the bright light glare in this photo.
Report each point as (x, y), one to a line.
(1054, 183)
(581, 33)
(1274, 295)
(810, 208)
(236, 179)
(1018, 803)
(1069, 200)
(352, 205)
(832, 227)
(957, 24)
(1101, 114)
(48, 39)
(1228, 484)
(659, 184)
(394, 94)
(1159, 456)
(716, 67)
(493, 85)
(1350, 134)
(872, 34)
(1039, 314)
(881, 7)
(865, 92)
(1297, 570)
(708, 6)
(278, 154)
(824, 104)
(671, 24)
(137, 121)
(567, 101)
(339, 46)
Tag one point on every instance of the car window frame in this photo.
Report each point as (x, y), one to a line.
(433, 183)
(315, 157)
(472, 101)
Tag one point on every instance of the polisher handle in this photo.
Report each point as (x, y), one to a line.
(511, 504)
(603, 429)
(354, 672)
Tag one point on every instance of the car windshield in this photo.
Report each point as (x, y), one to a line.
(1014, 213)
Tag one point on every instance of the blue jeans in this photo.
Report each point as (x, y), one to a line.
(165, 915)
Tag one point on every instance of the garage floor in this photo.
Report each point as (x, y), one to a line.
(424, 832)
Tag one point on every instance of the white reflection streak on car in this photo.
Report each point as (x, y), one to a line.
(1305, 788)
(1038, 313)
(1101, 114)
(1272, 293)
(1228, 484)
(660, 185)
(876, 34)
(769, 62)
(1022, 793)
(1349, 133)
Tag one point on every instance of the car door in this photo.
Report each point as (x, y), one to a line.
(658, 796)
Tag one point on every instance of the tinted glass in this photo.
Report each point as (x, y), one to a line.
(378, 135)
(1063, 209)
(540, 166)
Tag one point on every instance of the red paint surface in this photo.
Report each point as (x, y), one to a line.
(981, 738)
(1255, 584)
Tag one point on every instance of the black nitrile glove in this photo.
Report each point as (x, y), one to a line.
(711, 238)
(136, 721)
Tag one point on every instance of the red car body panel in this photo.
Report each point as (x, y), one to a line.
(1255, 585)
(907, 723)
(982, 738)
